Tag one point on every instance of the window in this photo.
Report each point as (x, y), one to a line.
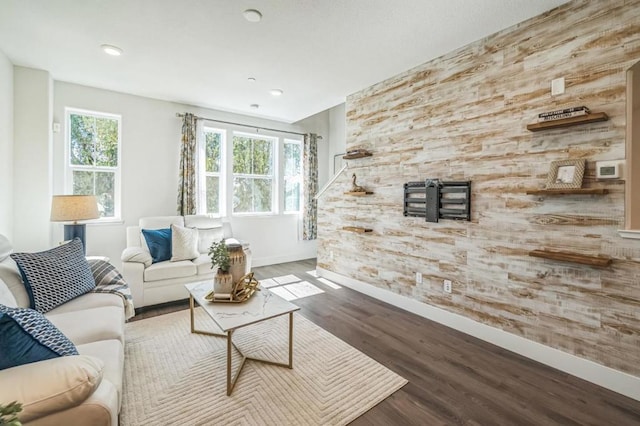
(93, 158)
(211, 183)
(241, 173)
(292, 175)
(253, 173)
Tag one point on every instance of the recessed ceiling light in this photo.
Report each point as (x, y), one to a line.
(252, 79)
(111, 50)
(276, 92)
(252, 15)
(254, 106)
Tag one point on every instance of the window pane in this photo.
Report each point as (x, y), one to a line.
(82, 182)
(262, 195)
(104, 183)
(241, 155)
(81, 145)
(212, 146)
(213, 194)
(292, 176)
(252, 195)
(261, 157)
(106, 149)
(292, 161)
(291, 195)
(242, 195)
(105, 192)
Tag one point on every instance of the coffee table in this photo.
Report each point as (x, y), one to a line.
(263, 305)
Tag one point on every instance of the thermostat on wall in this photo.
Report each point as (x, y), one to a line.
(608, 169)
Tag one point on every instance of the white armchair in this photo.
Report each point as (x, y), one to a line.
(160, 282)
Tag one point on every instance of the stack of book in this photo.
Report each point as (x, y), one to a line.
(563, 113)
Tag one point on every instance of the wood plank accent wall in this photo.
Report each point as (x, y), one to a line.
(463, 116)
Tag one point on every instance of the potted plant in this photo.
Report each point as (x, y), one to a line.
(9, 414)
(223, 280)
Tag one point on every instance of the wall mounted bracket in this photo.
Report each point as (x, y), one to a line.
(434, 199)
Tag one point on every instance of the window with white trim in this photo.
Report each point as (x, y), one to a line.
(211, 162)
(253, 173)
(242, 173)
(292, 175)
(93, 158)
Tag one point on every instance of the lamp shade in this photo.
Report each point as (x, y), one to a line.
(71, 208)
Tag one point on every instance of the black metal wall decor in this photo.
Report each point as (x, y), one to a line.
(434, 199)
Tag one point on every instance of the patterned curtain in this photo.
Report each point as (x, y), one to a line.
(310, 167)
(187, 179)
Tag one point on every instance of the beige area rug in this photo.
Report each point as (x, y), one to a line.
(174, 377)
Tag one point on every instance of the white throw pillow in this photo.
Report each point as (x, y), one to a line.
(208, 236)
(184, 243)
(61, 383)
(6, 297)
(5, 248)
(10, 274)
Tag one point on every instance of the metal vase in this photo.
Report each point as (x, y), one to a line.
(222, 282)
(238, 261)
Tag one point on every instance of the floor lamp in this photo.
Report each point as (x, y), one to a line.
(72, 208)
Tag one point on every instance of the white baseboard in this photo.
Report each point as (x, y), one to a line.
(617, 381)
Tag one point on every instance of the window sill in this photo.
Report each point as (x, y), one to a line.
(106, 222)
(254, 215)
(633, 234)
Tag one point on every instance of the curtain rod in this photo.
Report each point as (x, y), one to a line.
(179, 115)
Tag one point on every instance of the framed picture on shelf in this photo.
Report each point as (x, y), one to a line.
(566, 174)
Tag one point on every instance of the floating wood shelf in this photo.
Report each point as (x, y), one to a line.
(357, 155)
(567, 122)
(358, 193)
(568, 191)
(595, 261)
(357, 229)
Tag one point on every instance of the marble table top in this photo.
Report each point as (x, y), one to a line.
(261, 306)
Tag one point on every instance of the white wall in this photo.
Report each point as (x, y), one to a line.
(337, 134)
(31, 159)
(150, 157)
(6, 147)
(319, 124)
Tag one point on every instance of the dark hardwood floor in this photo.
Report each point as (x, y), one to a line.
(453, 378)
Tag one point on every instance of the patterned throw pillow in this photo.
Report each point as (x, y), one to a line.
(159, 243)
(27, 336)
(55, 276)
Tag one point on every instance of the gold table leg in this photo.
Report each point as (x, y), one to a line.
(193, 326)
(231, 382)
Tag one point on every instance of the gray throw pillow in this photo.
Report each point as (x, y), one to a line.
(55, 276)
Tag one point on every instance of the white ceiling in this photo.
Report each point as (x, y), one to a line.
(201, 52)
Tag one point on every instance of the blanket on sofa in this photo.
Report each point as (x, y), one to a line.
(109, 280)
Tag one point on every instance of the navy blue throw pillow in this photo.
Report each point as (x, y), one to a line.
(55, 276)
(159, 243)
(26, 336)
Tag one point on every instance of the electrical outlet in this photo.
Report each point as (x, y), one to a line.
(418, 277)
(446, 286)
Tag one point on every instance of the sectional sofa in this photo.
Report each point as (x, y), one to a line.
(82, 389)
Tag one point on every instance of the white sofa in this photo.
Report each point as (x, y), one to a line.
(83, 389)
(162, 282)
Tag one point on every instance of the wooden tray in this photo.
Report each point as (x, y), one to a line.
(239, 296)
